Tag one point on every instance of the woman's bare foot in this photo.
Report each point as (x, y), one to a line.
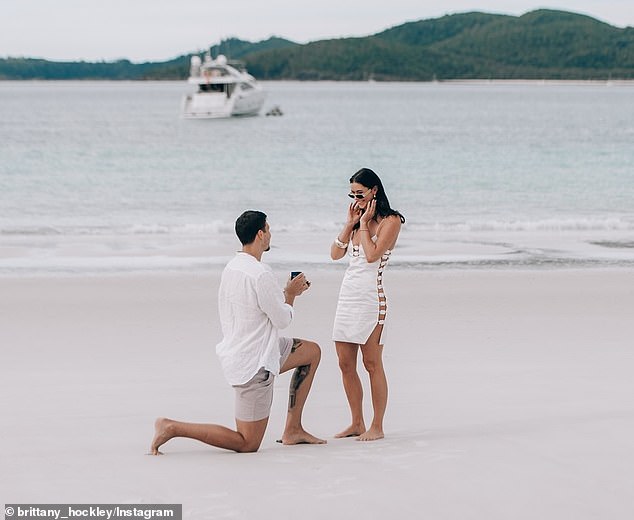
(354, 430)
(300, 437)
(162, 434)
(373, 434)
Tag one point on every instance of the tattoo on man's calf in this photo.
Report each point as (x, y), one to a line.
(299, 375)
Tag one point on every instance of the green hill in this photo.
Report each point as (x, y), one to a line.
(30, 68)
(543, 44)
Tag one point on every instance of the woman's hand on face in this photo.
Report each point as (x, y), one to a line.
(368, 214)
(354, 213)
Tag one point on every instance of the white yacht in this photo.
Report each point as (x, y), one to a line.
(222, 90)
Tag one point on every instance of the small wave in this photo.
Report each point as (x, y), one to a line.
(614, 244)
(568, 224)
(304, 226)
(31, 231)
(216, 227)
(226, 228)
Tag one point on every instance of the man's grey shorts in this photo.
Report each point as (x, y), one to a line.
(255, 397)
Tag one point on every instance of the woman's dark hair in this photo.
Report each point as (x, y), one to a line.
(248, 225)
(369, 179)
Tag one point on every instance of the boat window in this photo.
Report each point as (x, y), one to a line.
(212, 87)
(246, 86)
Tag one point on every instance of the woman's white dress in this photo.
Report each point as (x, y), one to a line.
(362, 304)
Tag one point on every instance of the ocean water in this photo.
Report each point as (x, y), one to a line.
(105, 177)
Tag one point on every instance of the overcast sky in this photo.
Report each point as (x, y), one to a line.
(155, 30)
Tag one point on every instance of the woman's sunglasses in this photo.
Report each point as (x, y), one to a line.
(359, 195)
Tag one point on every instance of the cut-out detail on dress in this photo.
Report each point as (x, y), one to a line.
(382, 300)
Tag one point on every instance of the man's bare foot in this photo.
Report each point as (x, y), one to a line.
(354, 430)
(373, 434)
(300, 437)
(162, 434)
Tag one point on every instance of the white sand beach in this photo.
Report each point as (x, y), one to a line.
(511, 397)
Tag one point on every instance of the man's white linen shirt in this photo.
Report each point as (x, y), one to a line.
(252, 310)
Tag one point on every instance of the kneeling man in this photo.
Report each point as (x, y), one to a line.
(252, 309)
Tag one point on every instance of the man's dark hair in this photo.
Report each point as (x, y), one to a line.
(248, 225)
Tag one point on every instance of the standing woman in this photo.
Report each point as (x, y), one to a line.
(370, 234)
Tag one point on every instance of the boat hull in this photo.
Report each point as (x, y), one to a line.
(211, 105)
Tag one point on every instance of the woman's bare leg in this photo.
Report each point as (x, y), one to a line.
(372, 353)
(347, 354)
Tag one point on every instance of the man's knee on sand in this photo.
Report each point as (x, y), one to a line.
(250, 447)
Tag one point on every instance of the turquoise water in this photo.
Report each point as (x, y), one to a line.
(105, 176)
